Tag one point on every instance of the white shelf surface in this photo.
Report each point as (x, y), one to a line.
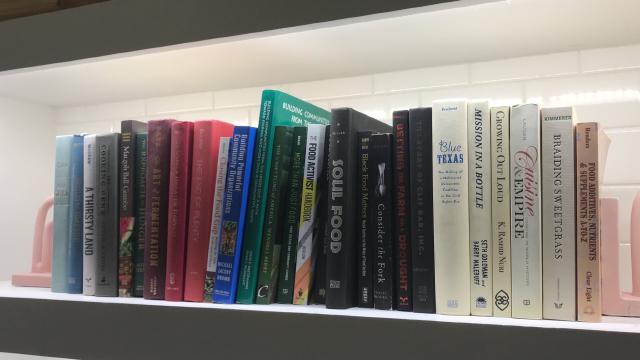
(608, 324)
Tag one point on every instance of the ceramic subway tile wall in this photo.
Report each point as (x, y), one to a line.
(603, 84)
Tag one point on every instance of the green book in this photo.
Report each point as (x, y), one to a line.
(274, 222)
(140, 213)
(277, 108)
(289, 248)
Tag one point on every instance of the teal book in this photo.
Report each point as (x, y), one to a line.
(76, 218)
(61, 212)
(276, 202)
(277, 109)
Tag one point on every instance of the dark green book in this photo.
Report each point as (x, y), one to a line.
(140, 212)
(289, 247)
(274, 222)
(277, 108)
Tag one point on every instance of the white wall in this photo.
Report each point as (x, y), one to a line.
(603, 84)
(27, 147)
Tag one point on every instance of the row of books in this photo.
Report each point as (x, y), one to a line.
(457, 208)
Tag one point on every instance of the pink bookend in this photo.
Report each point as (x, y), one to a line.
(40, 275)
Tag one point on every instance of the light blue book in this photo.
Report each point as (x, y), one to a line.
(61, 201)
(75, 243)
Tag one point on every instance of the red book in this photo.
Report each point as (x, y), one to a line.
(205, 164)
(179, 181)
(157, 199)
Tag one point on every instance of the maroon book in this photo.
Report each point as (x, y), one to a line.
(157, 205)
(206, 144)
(179, 183)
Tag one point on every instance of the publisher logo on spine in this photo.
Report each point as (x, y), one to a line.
(502, 300)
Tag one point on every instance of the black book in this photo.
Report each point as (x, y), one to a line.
(403, 300)
(421, 189)
(321, 233)
(106, 238)
(364, 250)
(343, 204)
(128, 205)
(380, 226)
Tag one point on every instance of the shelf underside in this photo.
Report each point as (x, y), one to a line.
(39, 322)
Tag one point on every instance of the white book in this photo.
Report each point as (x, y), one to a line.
(451, 207)
(89, 225)
(480, 229)
(501, 211)
(305, 257)
(526, 254)
(558, 214)
(216, 214)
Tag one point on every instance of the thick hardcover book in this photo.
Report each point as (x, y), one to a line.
(526, 260)
(234, 211)
(157, 207)
(128, 232)
(480, 229)
(89, 231)
(179, 181)
(206, 143)
(309, 231)
(451, 207)
(216, 218)
(501, 211)
(343, 204)
(380, 228)
(76, 218)
(401, 205)
(274, 222)
(558, 215)
(140, 213)
(365, 244)
(421, 210)
(289, 248)
(588, 223)
(277, 108)
(107, 239)
(316, 279)
(61, 213)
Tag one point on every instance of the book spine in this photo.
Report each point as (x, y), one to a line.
(157, 205)
(140, 212)
(421, 210)
(526, 261)
(480, 229)
(76, 218)
(401, 205)
(273, 224)
(309, 229)
(127, 216)
(234, 212)
(206, 142)
(315, 279)
(89, 180)
(451, 208)
(558, 214)
(107, 215)
(179, 181)
(501, 211)
(380, 227)
(340, 293)
(216, 218)
(588, 226)
(292, 225)
(61, 211)
(257, 203)
(365, 245)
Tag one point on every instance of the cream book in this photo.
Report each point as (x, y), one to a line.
(480, 239)
(451, 207)
(526, 256)
(558, 214)
(501, 211)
